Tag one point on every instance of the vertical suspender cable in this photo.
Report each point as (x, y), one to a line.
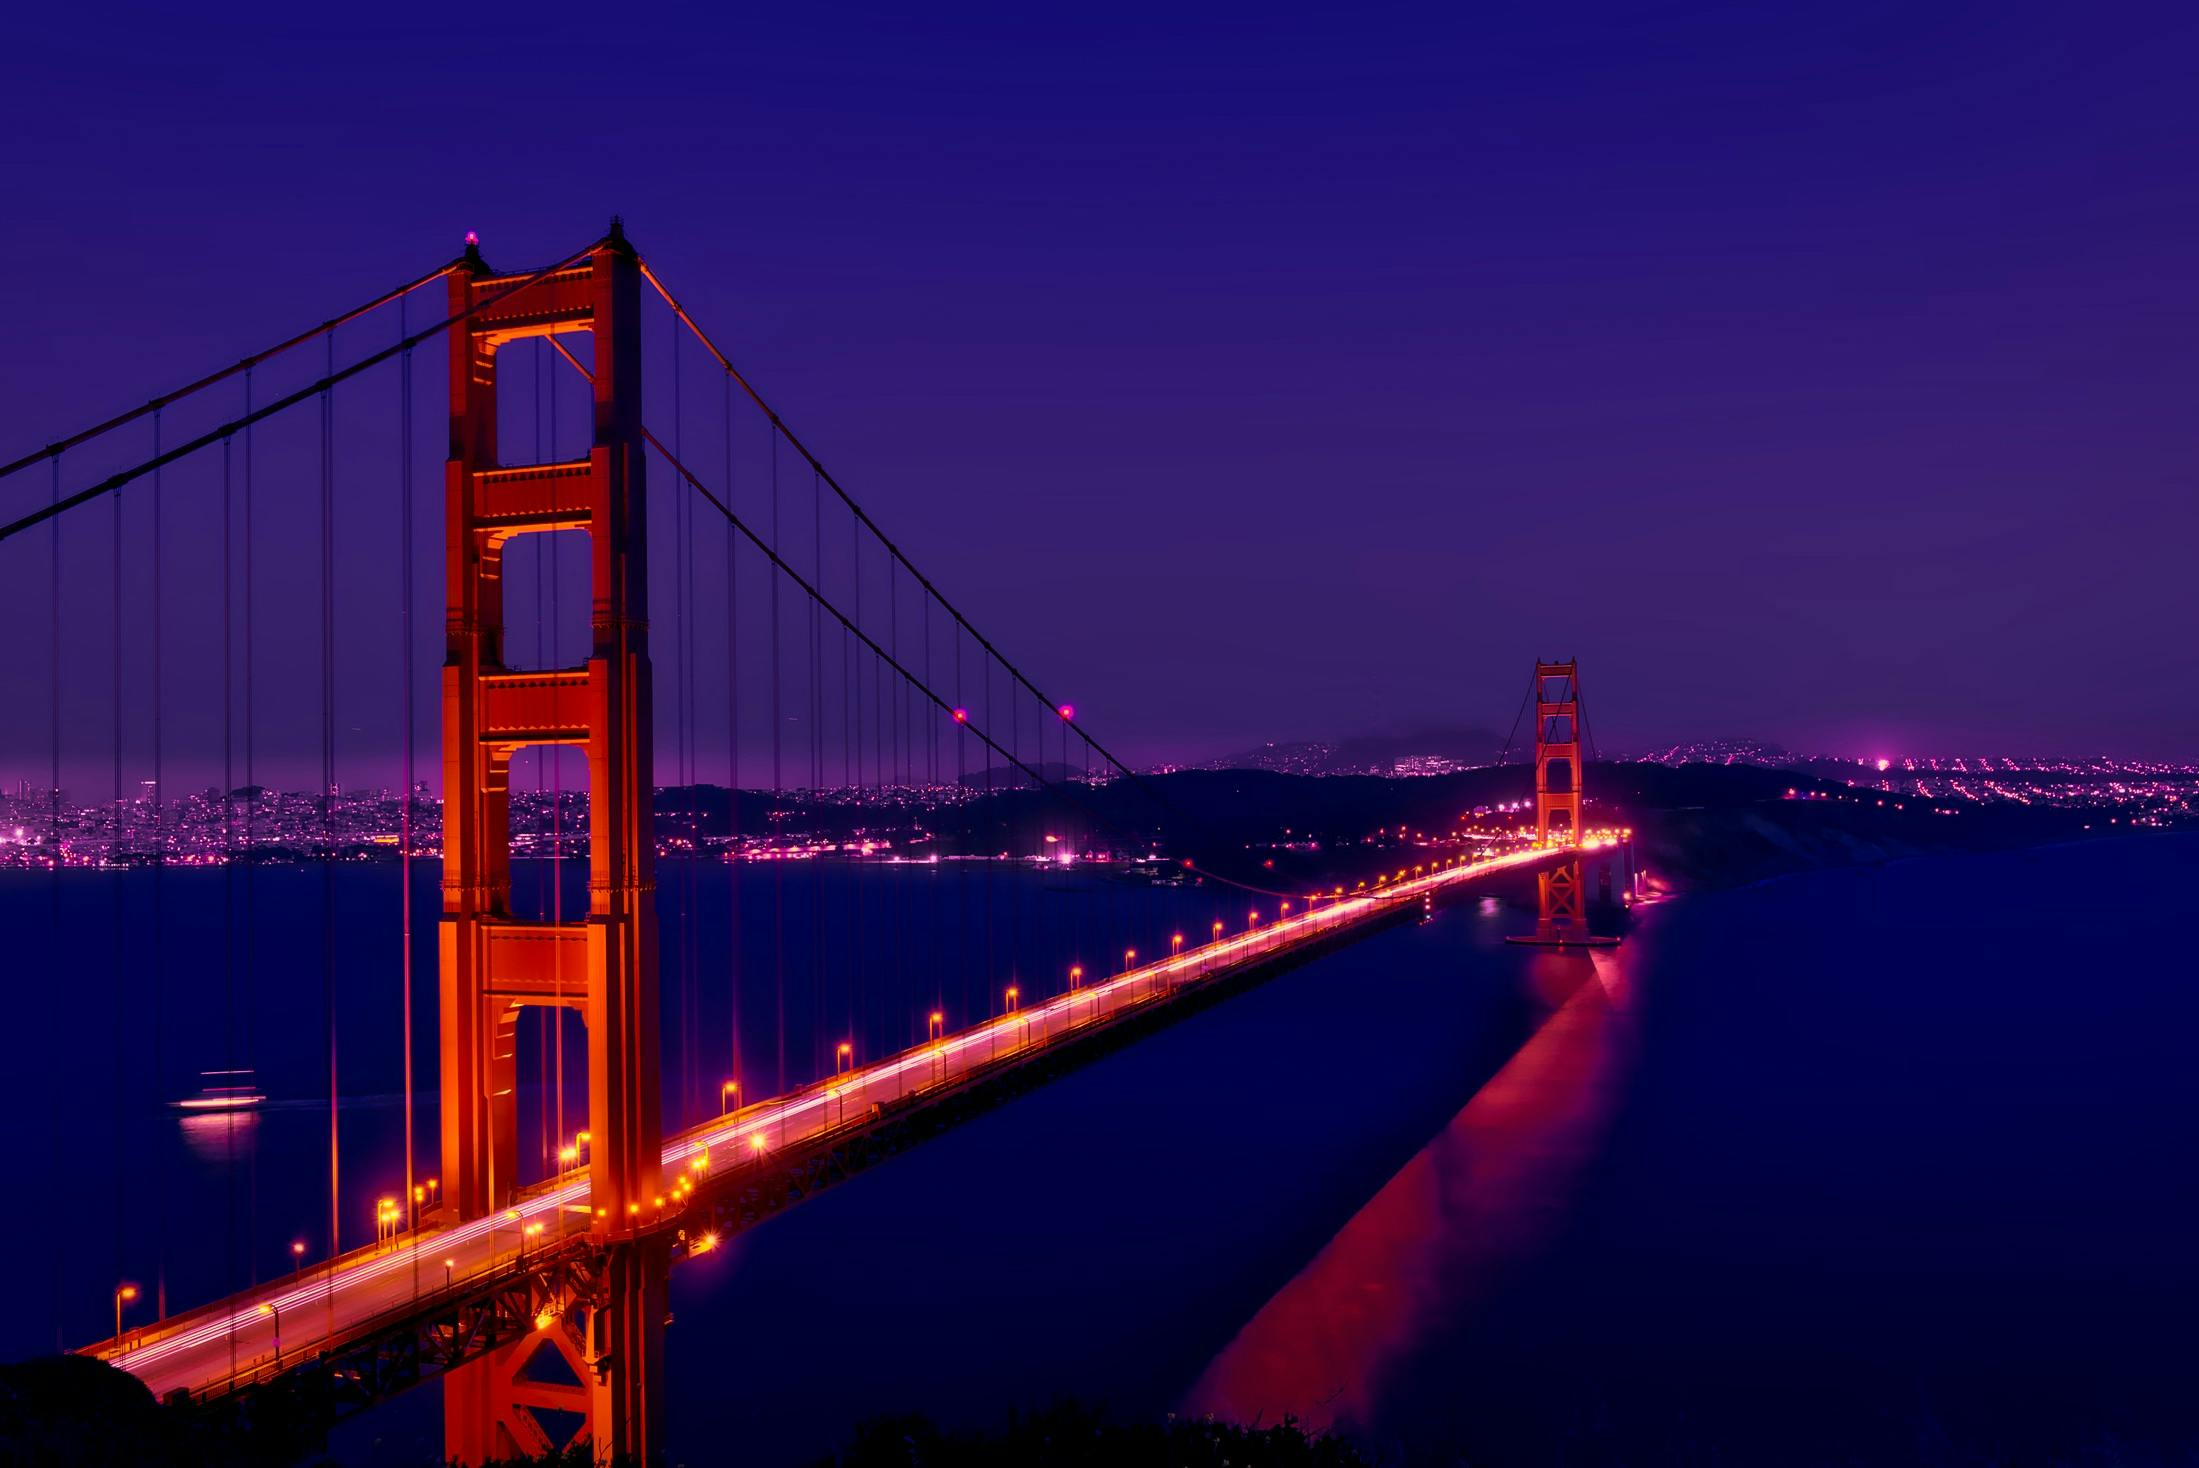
(53, 842)
(893, 638)
(228, 891)
(679, 742)
(849, 724)
(690, 722)
(992, 953)
(1015, 883)
(328, 804)
(818, 1003)
(732, 765)
(251, 806)
(118, 861)
(778, 863)
(961, 790)
(932, 774)
(405, 747)
(160, 945)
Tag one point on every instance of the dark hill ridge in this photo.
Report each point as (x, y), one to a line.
(1361, 754)
(1697, 823)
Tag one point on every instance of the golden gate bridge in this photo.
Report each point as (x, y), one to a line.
(535, 1288)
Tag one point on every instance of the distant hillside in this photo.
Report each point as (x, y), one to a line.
(1435, 751)
(1698, 823)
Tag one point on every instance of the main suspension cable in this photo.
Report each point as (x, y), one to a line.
(802, 584)
(55, 450)
(311, 390)
(885, 540)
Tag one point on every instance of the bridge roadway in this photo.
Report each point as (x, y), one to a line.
(233, 1342)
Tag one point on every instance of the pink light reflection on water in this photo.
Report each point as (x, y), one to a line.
(1481, 1197)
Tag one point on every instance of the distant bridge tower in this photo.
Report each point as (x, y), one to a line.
(1558, 792)
(492, 963)
(1562, 921)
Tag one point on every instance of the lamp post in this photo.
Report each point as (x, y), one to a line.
(124, 1294)
(274, 1313)
(448, 1266)
(726, 1093)
(297, 1255)
(843, 1059)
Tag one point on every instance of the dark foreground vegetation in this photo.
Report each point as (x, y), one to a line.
(74, 1410)
(1074, 1436)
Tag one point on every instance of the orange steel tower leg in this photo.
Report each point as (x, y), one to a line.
(1558, 793)
(492, 963)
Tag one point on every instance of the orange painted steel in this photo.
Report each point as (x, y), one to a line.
(1558, 805)
(495, 964)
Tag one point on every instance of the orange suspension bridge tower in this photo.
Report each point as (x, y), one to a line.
(493, 965)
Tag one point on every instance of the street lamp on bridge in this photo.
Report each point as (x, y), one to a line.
(124, 1294)
(274, 1312)
(726, 1093)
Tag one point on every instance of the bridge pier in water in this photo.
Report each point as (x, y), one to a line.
(596, 1352)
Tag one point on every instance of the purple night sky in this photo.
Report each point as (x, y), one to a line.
(1818, 374)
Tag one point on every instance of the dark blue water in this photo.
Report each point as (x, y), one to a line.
(1867, 1166)
(158, 977)
(1875, 1165)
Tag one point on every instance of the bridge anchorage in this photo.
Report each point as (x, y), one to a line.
(1563, 889)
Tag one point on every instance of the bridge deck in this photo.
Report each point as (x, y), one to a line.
(233, 1342)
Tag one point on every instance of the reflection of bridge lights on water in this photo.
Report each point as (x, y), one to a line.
(1481, 1199)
